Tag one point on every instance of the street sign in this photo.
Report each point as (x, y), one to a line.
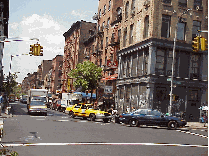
(108, 89)
(174, 81)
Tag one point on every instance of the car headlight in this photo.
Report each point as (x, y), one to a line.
(183, 120)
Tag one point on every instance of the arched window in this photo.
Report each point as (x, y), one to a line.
(126, 10)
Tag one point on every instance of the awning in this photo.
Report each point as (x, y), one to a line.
(86, 96)
(111, 77)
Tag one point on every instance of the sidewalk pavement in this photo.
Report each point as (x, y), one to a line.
(197, 125)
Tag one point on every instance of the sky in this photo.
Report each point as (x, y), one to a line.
(46, 20)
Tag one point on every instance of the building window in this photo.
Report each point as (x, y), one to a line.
(146, 26)
(111, 57)
(160, 55)
(194, 67)
(104, 9)
(183, 3)
(103, 24)
(100, 13)
(131, 34)
(167, 1)
(100, 62)
(98, 27)
(146, 57)
(165, 29)
(133, 5)
(108, 22)
(181, 31)
(194, 95)
(101, 44)
(105, 60)
(106, 41)
(197, 3)
(195, 28)
(109, 5)
(126, 10)
(125, 37)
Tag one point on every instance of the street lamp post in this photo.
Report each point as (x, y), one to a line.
(173, 62)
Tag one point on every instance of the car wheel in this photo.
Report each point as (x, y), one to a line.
(71, 114)
(105, 120)
(92, 117)
(172, 125)
(133, 123)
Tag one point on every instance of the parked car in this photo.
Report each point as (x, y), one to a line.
(151, 117)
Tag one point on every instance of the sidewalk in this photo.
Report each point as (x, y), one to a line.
(197, 125)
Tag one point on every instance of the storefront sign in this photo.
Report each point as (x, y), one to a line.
(143, 79)
(108, 89)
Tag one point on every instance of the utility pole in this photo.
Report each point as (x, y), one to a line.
(173, 62)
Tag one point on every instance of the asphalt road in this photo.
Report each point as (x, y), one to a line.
(57, 134)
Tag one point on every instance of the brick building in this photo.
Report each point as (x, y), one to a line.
(56, 73)
(74, 51)
(108, 33)
(146, 53)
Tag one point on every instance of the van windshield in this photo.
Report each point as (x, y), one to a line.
(37, 103)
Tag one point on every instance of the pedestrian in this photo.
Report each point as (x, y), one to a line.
(1, 102)
(128, 109)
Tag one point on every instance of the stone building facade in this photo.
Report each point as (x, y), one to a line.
(4, 17)
(146, 53)
(74, 50)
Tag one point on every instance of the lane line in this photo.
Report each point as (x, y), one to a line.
(98, 143)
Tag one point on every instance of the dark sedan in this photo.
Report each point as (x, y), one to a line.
(151, 117)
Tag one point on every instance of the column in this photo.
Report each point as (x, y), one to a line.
(152, 59)
(150, 92)
(119, 67)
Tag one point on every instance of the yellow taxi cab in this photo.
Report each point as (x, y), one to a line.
(73, 111)
(98, 114)
(87, 111)
(81, 112)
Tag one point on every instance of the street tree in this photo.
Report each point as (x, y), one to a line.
(9, 84)
(86, 75)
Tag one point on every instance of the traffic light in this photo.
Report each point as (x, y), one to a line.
(35, 50)
(40, 50)
(204, 44)
(31, 50)
(196, 44)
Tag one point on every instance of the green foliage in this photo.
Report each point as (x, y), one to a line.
(9, 85)
(86, 74)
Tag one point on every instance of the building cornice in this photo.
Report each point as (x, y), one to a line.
(163, 43)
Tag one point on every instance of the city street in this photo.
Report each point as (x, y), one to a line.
(57, 134)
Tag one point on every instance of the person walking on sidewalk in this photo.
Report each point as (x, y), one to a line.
(1, 102)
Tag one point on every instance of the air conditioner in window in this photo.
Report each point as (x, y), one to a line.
(147, 2)
(133, 12)
(198, 8)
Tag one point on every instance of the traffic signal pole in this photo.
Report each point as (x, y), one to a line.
(173, 62)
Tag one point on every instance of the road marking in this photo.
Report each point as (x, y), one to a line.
(37, 116)
(65, 117)
(203, 136)
(99, 143)
(62, 120)
(83, 121)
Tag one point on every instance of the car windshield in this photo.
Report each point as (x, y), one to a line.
(39, 98)
(155, 113)
(37, 103)
(78, 106)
